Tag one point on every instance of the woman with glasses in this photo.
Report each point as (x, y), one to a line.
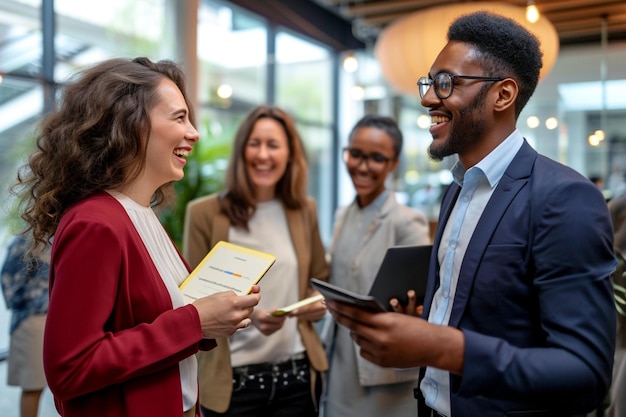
(274, 367)
(363, 232)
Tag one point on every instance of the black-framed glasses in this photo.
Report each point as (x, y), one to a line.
(444, 83)
(354, 156)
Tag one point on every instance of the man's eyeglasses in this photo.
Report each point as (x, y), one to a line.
(354, 157)
(444, 83)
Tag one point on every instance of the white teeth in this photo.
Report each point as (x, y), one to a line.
(183, 153)
(362, 178)
(439, 119)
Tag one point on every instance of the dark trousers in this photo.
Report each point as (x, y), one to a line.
(271, 390)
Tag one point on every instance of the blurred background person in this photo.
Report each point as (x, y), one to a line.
(617, 405)
(363, 231)
(598, 180)
(273, 368)
(25, 290)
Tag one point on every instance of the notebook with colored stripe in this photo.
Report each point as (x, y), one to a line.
(226, 267)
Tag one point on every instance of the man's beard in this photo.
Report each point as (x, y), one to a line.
(466, 131)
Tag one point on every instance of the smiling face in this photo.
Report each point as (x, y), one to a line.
(171, 138)
(266, 155)
(369, 177)
(460, 122)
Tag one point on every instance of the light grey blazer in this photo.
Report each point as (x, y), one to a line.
(394, 225)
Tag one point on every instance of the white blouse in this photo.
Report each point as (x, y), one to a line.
(172, 271)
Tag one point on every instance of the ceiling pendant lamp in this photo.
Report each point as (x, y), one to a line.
(532, 14)
(407, 48)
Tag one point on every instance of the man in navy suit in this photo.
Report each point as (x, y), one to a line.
(519, 316)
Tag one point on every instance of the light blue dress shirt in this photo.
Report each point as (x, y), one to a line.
(477, 184)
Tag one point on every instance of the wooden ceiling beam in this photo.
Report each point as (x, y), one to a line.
(549, 6)
(574, 20)
(584, 13)
(390, 7)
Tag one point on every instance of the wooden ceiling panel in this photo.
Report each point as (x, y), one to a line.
(576, 21)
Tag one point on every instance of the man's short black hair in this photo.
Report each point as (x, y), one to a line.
(506, 49)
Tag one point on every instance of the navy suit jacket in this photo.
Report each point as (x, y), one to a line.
(534, 297)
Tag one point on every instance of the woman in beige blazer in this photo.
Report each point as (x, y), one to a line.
(276, 364)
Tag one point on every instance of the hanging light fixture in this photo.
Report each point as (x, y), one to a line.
(350, 63)
(599, 135)
(408, 47)
(603, 73)
(532, 13)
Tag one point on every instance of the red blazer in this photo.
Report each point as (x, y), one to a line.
(113, 341)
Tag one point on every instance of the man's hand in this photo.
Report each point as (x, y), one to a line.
(400, 340)
(411, 307)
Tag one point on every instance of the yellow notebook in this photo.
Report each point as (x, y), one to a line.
(227, 267)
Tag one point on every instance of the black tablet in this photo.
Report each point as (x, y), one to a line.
(332, 292)
(403, 268)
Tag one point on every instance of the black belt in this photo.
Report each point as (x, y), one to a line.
(435, 413)
(272, 367)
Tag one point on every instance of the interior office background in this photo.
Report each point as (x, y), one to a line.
(236, 59)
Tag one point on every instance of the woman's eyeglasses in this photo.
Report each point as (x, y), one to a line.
(444, 83)
(354, 157)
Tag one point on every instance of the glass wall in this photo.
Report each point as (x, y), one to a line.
(21, 93)
(86, 32)
(244, 61)
(21, 102)
(232, 57)
(304, 88)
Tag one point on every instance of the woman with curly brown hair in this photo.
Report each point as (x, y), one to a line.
(119, 340)
(272, 368)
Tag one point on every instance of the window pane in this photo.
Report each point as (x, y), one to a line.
(232, 54)
(318, 143)
(88, 32)
(21, 101)
(303, 78)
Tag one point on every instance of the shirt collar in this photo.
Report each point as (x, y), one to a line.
(495, 163)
